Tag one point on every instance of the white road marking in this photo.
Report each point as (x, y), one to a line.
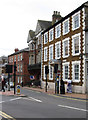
(15, 99)
(73, 108)
(11, 100)
(35, 99)
(32, 99)
(2, 101)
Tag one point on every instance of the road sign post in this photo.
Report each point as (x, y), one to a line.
(18, 89)
(14, 76)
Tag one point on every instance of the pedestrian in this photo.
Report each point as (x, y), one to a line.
(3, 82)
(69, 87)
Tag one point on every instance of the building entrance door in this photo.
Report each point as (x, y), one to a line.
(87, 76)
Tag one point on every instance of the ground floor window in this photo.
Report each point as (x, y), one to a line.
(65, 71)
(44, 75)
(18, 80)
(21, 79)
(50, 72)
(76, 71)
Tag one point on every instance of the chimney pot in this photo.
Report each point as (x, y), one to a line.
(58, 13)
(56, 17)
(16, 49)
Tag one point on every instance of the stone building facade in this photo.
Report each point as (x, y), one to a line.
(66, 43)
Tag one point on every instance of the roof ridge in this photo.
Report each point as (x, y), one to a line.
(44, 20)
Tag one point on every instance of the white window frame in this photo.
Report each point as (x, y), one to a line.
(21, 79)
(73, 28)
(59, 45)
(18, 58)
(73, 74)
(21, 57)
(50, 52)
(45, 53)
(18, 67)
(44, 72)
(51, 31)
(65, 64)
(67, 39)
(46, 34)
(56, 30)
(18, 80)
(67, 20)
(50, 72)
(73, 50)
(21, 68)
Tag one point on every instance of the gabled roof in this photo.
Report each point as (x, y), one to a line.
(42, 25)
(31, 34)
(20, 51)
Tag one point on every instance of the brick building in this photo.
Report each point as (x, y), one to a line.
(21, 59)
(66, 43)
(34, 43)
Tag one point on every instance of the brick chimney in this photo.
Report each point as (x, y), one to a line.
(16, 49)
(56, 17)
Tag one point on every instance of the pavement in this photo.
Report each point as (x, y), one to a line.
(11, 93)
(52, 92)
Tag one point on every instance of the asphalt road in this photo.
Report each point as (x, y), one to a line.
(42, 105)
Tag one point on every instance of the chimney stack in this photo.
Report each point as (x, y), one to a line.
(56, 17)
(16, 49)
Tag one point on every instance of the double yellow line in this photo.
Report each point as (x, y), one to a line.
(4, 115)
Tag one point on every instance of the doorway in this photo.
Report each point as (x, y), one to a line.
(87, 76)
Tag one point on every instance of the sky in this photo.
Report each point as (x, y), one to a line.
(17, 17)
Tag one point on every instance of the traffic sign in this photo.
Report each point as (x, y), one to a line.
(18, 89)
